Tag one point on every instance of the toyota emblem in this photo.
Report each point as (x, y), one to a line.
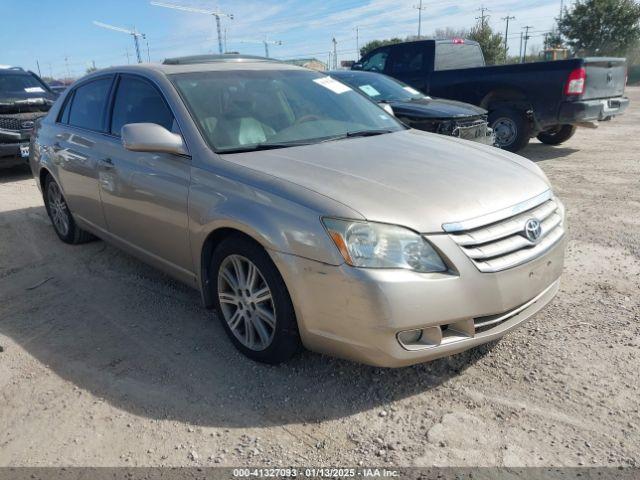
(533, 230)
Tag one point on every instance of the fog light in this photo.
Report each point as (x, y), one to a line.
(410, 336)
(420, 338)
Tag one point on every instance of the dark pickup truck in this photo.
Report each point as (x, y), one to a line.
(24, 98)
(547, 100)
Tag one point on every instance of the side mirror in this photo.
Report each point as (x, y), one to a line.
(151, 137)
(356, 66)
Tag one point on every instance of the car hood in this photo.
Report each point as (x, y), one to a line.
(410, 178)
(436, 108)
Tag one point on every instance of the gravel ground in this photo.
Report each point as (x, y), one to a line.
(106, 362)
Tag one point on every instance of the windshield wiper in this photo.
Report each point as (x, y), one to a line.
(263, 146)
(368, 133)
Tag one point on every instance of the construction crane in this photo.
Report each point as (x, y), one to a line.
(266, 44)
(134, 33)
(218, 15)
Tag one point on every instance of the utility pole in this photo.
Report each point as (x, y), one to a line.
(419, 7)
(266, 44)
(358, 42)
(66, 62)
(483, 16)
(506, 36)
(126, 52)
(526, 38)
(217, 15)
(561, 10)
(520, 54)
(335, 53)
(38, 65)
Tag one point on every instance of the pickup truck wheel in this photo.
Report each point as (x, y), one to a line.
(60, 215)
(252, 301)
(557, 135)
(511, 128)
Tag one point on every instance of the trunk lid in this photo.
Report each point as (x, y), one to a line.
(606, 77)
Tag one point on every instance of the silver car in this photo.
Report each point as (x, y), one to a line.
(302, 212)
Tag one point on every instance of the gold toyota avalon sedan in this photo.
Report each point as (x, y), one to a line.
(303, 212)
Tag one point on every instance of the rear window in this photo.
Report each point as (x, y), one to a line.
(450, 56)
(88, 104)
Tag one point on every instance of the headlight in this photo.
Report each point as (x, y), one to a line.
(378, 245)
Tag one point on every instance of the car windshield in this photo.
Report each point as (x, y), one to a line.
(380, 87)
(19, 85)
(240, 109)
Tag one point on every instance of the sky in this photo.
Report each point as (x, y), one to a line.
(61, 37)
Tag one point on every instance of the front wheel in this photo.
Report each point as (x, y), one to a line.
(253, 302)
(511, 127)
(557, 135)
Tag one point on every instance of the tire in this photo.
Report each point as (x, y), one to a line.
(557, 135)
(60, 216)
(263, 328)
(511, 127)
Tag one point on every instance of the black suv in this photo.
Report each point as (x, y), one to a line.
(24, 98)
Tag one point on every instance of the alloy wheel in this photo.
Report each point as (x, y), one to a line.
(58, 209)
(246, 302)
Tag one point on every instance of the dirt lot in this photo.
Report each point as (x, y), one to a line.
(105, 361)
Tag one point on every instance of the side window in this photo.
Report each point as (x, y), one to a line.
(137, 101)
(64, 115)
(376, 62)
(87, 107)
(408, 60)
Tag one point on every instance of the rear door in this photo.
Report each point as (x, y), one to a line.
(606, 77)
(408, 63)
(79, 129)
(144, 195)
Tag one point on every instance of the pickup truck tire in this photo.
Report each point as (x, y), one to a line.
(511, 127)
(557, 135)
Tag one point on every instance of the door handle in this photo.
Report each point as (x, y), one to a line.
(107, 163)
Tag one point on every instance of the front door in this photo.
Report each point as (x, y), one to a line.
(145, 195)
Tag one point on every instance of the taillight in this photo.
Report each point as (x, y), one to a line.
(576, 82)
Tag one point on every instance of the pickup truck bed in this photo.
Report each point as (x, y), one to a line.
(544, 99)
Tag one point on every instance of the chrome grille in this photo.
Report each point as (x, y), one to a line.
(503, 244)
(10, 123)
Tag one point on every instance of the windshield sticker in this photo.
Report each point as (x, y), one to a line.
(412, 91)
(369, 90)
(34, 90)
(333, 85)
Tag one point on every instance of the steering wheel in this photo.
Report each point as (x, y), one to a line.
(307, 118)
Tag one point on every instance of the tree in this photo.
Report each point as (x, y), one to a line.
(553, 40)
(449, 33)
(373, 44)
(602, 27)
(492, 43)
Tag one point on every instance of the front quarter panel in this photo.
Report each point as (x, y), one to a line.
(279, 216)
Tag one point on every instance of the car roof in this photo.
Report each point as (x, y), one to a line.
(218, 66)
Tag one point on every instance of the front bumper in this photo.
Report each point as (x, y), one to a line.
(592, 110)
(12, 145)
(357, 313)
